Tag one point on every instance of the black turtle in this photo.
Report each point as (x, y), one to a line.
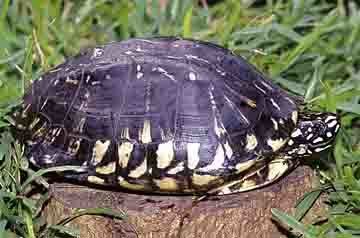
(168, 115)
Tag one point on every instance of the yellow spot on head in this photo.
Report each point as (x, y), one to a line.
(95, 179)
(107, 169)
(124, 153)
(25, 111)
(251, 142)
(165, 154)
(166, 184)
(25, 106)
(20, 127)
(33, 124)
(99, 151)
(58, 131)
(30, 142)
(40, 131)
(140, 170)
(201, 180)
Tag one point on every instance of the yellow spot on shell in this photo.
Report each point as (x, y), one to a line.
(276, 144)
(74, 146)
(165, 154)
(180, 167)
(228, 150)
(218, 161)
(124, 153)
(125, 184)
(107, 169)
(240, 167)
(294, 116)
(125, 133)
(218, 128)
(251, 103)
(146, 132)
(201, 180)
(192, 76)
(248, 184)
(193, 154)
(166, 184)
(95, 179)
(99, 151)
(276, 126)
(251, 142)
(276, 169)
(140, 170)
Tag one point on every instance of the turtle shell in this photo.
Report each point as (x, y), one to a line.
(157, 115)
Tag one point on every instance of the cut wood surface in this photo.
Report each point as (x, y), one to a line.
(241, 215)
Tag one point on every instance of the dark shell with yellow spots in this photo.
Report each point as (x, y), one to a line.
(162, 115)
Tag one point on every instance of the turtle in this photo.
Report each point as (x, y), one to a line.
(168, 115)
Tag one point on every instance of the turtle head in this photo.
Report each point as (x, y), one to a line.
(313, 134)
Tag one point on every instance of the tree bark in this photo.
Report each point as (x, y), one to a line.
(242, 215)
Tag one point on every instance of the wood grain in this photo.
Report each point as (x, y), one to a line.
(244, 215)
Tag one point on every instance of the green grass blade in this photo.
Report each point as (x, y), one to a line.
(351, 221)
(70, 231)
(45, 171)
(27, 67)
(292, 223)
(187, 32)
(94, 211)
(29, 224)
(305, 204)
(305, 43)
(231, 24)
(4, 10)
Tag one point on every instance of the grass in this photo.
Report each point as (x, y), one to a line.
(311, 48)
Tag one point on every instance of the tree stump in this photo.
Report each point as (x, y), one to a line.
(242, 215)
